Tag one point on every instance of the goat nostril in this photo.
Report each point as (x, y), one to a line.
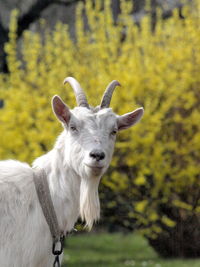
(97, 154)
(92, 155)
(102, 155)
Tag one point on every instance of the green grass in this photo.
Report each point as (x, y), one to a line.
(116, 250)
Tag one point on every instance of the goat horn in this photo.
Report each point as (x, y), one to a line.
(79, 94)
(105, 102)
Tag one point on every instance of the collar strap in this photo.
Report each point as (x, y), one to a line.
(46, 203)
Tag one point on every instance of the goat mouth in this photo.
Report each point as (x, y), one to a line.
(94, 167)
(95, 170)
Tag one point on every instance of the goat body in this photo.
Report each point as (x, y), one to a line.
(74, 166)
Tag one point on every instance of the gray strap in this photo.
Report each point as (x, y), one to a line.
(44, 196)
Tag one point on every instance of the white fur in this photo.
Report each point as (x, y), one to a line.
(73, 177)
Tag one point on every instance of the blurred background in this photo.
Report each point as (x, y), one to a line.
(150, 196)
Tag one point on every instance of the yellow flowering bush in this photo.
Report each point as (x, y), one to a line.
(153, 182)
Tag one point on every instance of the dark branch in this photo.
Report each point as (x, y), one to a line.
(68, 3)
(35, 11)
(23, 23)
(3, 40)
(31, 15)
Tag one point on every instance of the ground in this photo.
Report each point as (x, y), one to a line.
(115, 250)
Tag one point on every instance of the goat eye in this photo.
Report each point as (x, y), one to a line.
(114, 132)
(73, 128)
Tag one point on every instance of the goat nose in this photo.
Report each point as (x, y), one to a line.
(97, 154)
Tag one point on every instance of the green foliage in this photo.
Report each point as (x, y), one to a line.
(156, 164)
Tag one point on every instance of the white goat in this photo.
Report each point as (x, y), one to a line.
(73, 167)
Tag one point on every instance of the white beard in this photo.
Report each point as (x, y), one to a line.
(89, 201)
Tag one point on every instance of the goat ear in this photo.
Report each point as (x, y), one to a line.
(61, 111)
(129, 119)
